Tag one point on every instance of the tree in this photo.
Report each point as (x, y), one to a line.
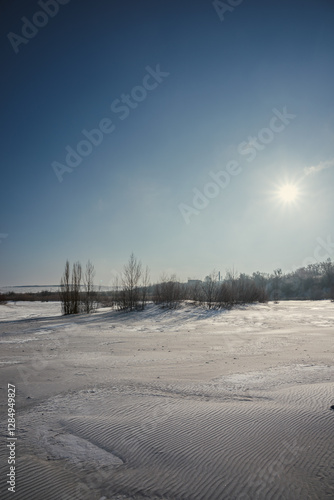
(71, 296)
(65, 290)
(168, 293)
(209, 288)
(277, 280)
(232, 281)
(224, 295)
(260, 282)
(2, 299)
(76, 286)
(328, 270)
(132, 272)
(116, 293)
(194, 292)
(145, 283)
(89, 302)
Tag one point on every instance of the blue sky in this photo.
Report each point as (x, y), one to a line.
(223, 79)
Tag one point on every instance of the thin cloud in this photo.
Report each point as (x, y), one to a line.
(315, 169)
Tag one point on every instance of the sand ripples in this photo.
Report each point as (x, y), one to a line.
(134, 444)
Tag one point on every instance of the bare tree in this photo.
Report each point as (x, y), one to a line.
(76, 286)
(209, 287)
(277, 280)
(116, 294)
(132, 272)
(70, 289)
(260, 282)
(168, 293)
(225, 295)
(194, 292)
(89, 302)
(145, 283)
(232, 280)
(328, 270)
(65, 290)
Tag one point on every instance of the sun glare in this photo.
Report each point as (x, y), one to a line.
(288, 193)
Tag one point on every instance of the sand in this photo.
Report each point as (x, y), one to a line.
(186, 404)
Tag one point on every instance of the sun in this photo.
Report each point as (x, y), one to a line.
(288, 193)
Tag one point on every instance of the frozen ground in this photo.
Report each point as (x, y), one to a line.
(187, 404)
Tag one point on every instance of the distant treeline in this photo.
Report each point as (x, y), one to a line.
(132, 289)
(43, 296)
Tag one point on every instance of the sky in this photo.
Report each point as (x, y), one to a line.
(174, 130)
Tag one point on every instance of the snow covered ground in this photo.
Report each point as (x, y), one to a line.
(13, 311)
(183, 404)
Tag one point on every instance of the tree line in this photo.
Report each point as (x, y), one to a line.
(132, 289)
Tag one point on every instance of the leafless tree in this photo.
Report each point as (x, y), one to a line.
(328, 271)
(89, 298)
(70, 289)
(276, 281)
(76, 288)
(194, 292)
(65, 290)
(248, 290)
(145, 283)
(168, 292)
(116, 301)
(260, 282)
(224, 295)
(209, 288)
(232, 280)
(131, 274)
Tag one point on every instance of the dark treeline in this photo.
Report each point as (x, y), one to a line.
(132, 289)
(314, 282)
(43, 296)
